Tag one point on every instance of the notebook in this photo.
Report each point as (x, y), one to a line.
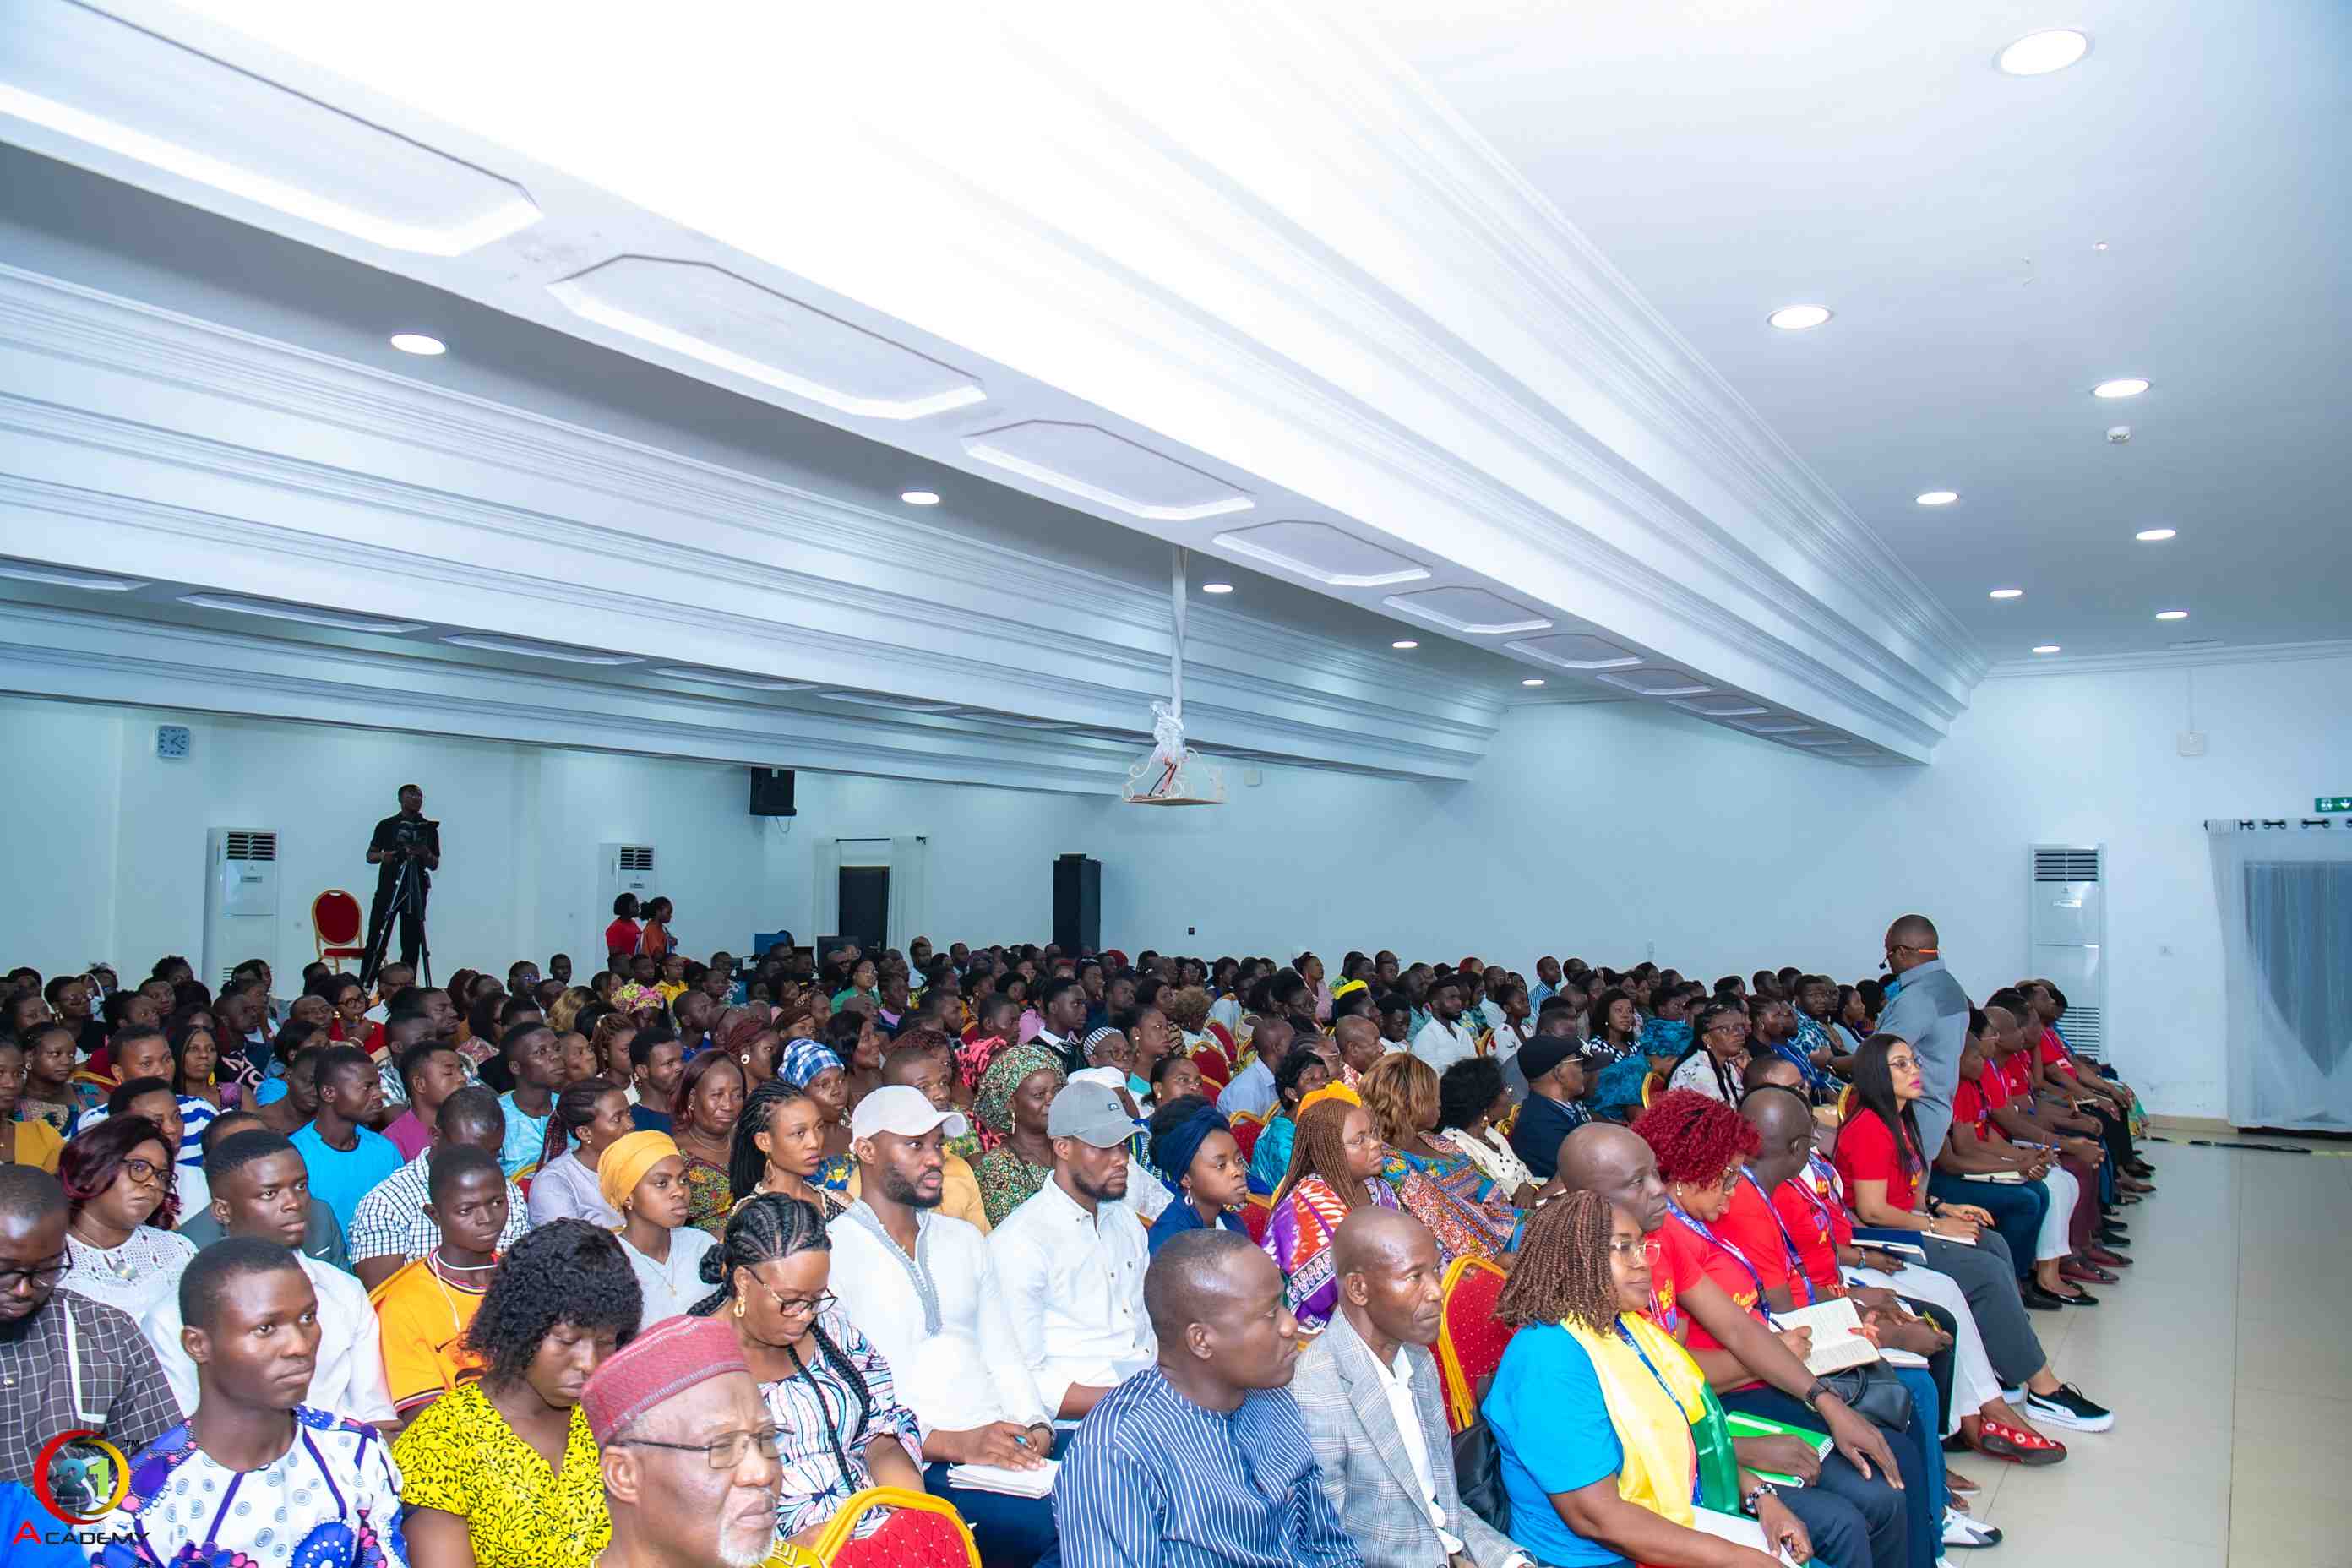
(1036, 1483)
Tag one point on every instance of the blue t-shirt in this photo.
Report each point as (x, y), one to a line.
(1551, 1425)
(33, 1548)
(526, 1136)
(646, 1120)
(339, 1178)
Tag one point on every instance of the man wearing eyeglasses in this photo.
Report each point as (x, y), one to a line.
(67, 1362)
(1929, 1009)
(689, 1455)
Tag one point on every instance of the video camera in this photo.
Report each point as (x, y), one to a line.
(409, 837)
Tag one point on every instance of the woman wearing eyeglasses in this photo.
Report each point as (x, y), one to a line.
(840, 1426)
(502, 1472)
(118, 1180)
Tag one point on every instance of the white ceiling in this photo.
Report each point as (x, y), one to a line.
(1733, 156)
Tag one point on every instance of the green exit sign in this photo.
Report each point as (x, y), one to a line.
(2327, 805)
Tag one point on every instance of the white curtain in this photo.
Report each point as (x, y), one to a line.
(2286, 938)
(910, 892)
(825, 891)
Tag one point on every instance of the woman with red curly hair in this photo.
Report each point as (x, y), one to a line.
(1702, 1146)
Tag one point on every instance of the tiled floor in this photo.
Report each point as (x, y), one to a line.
(2227, 1355)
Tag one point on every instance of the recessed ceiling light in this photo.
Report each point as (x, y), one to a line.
(418, 344)
(1937, 498)
(308, 616)
(67, 577)
(2102, 245)
(2039, 54)
(1799, 317)
(2171, 615)
(525, 647)
(1532, 680)
(2150, 535)
(2046, 647)
(1404, 643)
(1216, 587)
(919, 498)
(2009, 593)
(2123, 386)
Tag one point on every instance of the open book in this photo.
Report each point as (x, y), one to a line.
(1837, 1334)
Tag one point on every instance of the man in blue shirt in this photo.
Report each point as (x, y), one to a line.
(344, 1158)
(1929, 1009)
(1203, 1461)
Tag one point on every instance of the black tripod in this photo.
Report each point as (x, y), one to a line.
(407, 897)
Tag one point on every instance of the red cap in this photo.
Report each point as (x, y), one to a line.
(657, 1366)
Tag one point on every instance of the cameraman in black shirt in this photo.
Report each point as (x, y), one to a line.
(408, 837)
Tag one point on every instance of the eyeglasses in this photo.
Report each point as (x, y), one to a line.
(146, 1172)
(1730, 1183)
(724, 1452)
(797, 1306)
(39, 1279)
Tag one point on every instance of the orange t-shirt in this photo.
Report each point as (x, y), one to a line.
(424, 1318)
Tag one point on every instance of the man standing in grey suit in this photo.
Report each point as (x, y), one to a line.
(1931, 1011)
(1368, 1388)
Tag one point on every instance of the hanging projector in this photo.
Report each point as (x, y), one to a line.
(1173, 773)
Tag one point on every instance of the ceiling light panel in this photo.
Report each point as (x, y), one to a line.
(1576, 650)
(2046, 647)
(1937, 498)
(1800, 318)
(238, 603)
(1090, 462)
(2153, 535)
(530, 650)
(419, 344)
(2171, 615)
(1776, 726)
(105, 85)
(1472, 612)
(1656, 683)
(709, 314)
(919, 498)
(67, 577)
(2040, 54)
(1322, 553)
(728, 678)
(2005, 593)
(2123, 386)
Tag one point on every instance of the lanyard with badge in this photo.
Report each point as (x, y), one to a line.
(1635, 1346)
(1788, 1243)
(1699, 1227)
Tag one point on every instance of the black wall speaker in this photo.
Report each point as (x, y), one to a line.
(1077, 903)
(771, 792)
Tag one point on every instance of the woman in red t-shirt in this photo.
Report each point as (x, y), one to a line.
(620, 936)
(1878, 1154)
(351, 1025)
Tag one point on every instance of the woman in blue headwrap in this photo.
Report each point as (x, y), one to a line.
(1194, 1149)
(811, 1066)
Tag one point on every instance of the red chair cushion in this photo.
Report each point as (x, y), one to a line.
(1468, 1323)
(1256, 1215)
(1246, 1133)
(912, 1539)
(336, 916)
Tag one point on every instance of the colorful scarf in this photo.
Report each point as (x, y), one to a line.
(1298, 1238)
(1653, 1408)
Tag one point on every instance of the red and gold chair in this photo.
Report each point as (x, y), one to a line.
(335, 923)
(923, 1532)
(1470, 1343)
(1652, 1085)
(1245, 1131)
(1257, 1212)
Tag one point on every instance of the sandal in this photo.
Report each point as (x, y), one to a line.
(1999, 1440)
(1956, 1482)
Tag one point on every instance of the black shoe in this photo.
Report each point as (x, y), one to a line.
(2113, 1240)
(2036, 1299)
(2079, 1299)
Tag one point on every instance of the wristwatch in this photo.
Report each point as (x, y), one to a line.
(1754, 1499)
(1813, 1392)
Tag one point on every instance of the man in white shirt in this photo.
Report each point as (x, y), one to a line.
(1367, 1389)
(1071, 1260)
(922, 1287)
(1252, 1092)
(1442, 1041)
(1146, 1194)
(261, 1188)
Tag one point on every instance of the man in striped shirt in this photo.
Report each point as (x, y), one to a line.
(1203, 1461)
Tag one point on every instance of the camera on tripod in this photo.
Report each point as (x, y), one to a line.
(408, 837)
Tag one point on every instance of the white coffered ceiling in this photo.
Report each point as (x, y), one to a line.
(1992, 247)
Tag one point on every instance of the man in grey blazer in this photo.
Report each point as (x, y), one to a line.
(1368, 1388)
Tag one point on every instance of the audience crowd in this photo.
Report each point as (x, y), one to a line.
(1151, 1261)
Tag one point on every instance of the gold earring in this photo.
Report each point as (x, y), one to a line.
(738, 1305)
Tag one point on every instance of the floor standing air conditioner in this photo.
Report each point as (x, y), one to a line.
(2066, 934)
(240, 900)
(626, 869)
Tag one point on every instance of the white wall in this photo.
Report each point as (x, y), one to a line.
(1614, 831)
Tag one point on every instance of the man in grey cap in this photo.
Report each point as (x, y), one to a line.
(1071, 1260)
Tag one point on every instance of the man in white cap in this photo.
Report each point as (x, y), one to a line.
(1071, 1260)
(921, 1285)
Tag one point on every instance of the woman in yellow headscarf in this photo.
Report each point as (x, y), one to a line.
(1592, 1408)
(643, 1177)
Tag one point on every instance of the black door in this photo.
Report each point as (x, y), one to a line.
(866, 906)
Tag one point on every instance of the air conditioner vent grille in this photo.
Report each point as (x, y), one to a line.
(242, 845)
(2066, 865)
(636, 858)
(2085, 1030)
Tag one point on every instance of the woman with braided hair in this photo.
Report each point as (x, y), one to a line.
(589, 1117)
(1335, 1168)
(1592, 1408)
(779, 1148)
(841, 1428)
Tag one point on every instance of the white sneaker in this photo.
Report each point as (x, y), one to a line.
(1960, 1530)
(2068, 1407)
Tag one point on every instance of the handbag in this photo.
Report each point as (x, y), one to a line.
(1478, 1475)
(1874, 1394)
